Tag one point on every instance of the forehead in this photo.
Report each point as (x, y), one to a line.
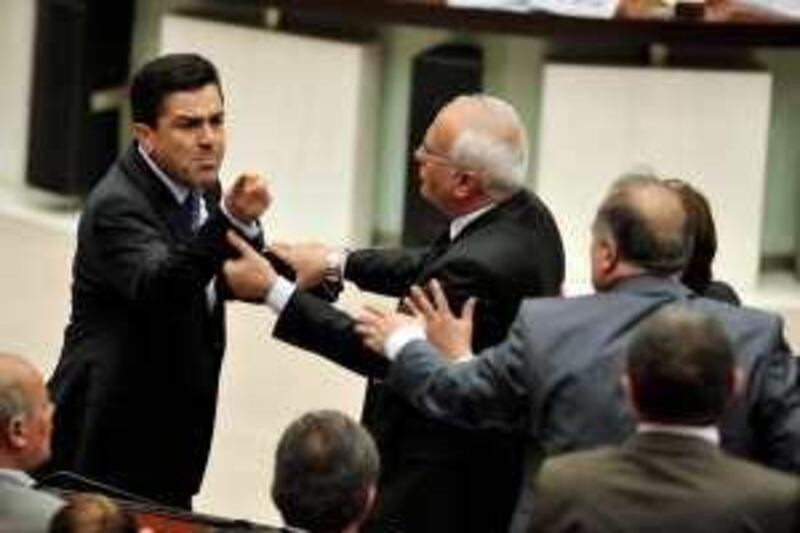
(204, 101)
(442, 131)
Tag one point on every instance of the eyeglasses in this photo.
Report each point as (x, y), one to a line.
(424, 155)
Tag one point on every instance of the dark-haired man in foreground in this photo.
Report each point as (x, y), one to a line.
(136, 385)
(326, 473)
(670, 475)
(556, 376)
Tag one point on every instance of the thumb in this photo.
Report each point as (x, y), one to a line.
(281, 249)
(239, 244)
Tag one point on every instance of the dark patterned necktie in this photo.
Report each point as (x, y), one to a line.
(189, 214)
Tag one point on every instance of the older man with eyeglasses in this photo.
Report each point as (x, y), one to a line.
(502, 245)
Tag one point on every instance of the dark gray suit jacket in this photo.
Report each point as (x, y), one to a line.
(557, 376)
(662, 483)
(24, 509)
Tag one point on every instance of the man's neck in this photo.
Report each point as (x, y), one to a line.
(10, 463)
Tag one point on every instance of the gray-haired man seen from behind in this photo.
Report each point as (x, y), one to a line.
(670, 475)
(326, 472)
(26, 418)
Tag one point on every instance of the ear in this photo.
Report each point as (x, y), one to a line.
(467, 184)
(607, 255)
(736, 382)
(372, 493)
(17, 432)
(630, 394)
(144, 135)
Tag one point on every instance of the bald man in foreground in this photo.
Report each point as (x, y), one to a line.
(557, 376)
(26, 421)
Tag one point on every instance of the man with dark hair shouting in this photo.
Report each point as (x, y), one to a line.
(136, 385)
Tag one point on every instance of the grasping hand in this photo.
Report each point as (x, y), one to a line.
(248, 197)
(450, 334)
(308, 260)
(249, 276)
(375, 325)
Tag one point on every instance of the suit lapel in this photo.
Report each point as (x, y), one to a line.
(443, 246)
(162, 200)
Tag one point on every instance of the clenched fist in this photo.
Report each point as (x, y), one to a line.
(248, 198)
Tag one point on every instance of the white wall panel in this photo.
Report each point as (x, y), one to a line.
(707, 127)
(301, 111)
(17, 23)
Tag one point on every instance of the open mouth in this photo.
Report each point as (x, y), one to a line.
(207, 165)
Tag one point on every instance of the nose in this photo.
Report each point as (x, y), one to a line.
(207, 134)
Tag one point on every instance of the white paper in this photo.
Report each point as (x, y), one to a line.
(604, 9)
(503, 5)
(789, 8)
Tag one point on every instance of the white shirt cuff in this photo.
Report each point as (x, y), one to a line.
(399, 338)
(280, 293)
(335, 263)
(251, 230)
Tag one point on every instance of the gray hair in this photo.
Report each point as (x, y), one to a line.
(648, 222)
(14, 401)
(494, 143)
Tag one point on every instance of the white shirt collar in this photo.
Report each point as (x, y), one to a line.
(18, 476)
(707, 433)
(180, 192)
(458, 224)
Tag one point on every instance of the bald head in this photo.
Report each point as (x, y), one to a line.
(646, 221)
(16, 375)
(25, 415)
(485, 133)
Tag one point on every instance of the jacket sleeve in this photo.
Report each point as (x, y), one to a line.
(774, 386)
(314, 325)
(389, 272)
(139, 260)
(490, 391)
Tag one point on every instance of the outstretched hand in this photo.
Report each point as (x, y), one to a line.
(249, 276)
(375, 325)
(452, 335)
(308, 260)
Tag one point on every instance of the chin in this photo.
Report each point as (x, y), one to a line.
(205, 181)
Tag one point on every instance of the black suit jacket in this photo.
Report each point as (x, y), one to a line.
(556, 376)
(136, 385)
(662, 483)
(430, 479)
